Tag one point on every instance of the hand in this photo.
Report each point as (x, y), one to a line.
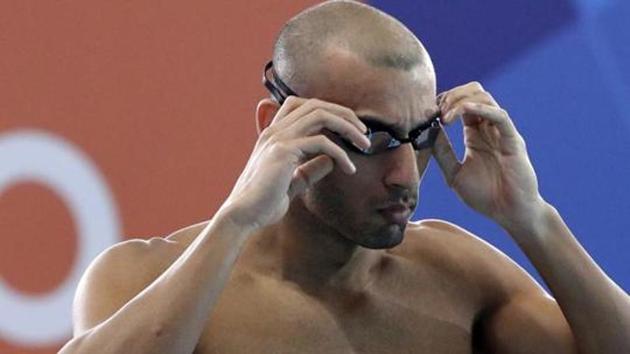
(495, 177)
(292, 154)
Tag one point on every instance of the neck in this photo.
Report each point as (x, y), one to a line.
(318, 258)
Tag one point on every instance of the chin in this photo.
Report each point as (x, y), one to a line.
(386, 237)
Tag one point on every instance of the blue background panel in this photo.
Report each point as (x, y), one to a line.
(468, 40)
(558, 70)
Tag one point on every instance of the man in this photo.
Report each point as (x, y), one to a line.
(312, 251)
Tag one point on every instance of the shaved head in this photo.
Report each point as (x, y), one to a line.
(352, 27)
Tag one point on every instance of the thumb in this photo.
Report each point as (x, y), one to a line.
(445, 156)
(309, 173)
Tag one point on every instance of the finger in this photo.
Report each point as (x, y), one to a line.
(307, 106)
(445, 156)
(319, 119)
(475, 96)
(309, 173)
(450, 115)
(448, 99)
(440, 97)
(495, 115)
(290, 104)
(444, 96)
(319, 144)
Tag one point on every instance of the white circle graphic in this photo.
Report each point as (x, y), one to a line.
(40, 157)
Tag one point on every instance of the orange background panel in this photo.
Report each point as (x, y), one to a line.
(159, 94)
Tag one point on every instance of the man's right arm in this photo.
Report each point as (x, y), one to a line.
(116, 314)
(167, 316)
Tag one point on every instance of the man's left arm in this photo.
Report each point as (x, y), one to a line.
(497, 179)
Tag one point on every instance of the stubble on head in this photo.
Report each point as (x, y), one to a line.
(305, 41)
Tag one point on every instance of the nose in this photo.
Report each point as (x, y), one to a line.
(401, 169)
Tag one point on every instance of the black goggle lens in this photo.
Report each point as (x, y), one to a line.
(383, 140)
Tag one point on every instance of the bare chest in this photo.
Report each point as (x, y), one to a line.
(408, 313)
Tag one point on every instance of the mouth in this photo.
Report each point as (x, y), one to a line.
(396, 214)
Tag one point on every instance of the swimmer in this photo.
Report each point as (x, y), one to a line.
(313, 250)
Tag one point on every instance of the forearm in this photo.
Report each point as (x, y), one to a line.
(169, 315)
(597, 309)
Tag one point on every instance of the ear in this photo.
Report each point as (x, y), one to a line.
(265, 111)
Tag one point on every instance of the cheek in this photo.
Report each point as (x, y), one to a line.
(348, 185)
(340, 190)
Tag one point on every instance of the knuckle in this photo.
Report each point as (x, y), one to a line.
(328, 117)
(322, 140)
(314, 102)
(320, 103)
(440, 98)
(476, 85)
(330, 147)
(319, 116)
(291, 101)
(347, 111)
(280, 148)
(489, 100)
(320, 112)
(445, 99)
(483, 94)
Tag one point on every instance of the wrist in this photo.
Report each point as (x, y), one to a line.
(533, 222)
(236, 218)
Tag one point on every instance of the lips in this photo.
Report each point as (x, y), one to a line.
(396, 214)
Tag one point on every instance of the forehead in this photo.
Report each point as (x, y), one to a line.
(395, 97)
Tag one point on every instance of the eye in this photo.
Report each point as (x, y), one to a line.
(381, 141)
(421, 136)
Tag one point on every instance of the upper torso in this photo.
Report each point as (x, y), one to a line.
(426, 296)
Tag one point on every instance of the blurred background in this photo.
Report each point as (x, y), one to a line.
(125, 119)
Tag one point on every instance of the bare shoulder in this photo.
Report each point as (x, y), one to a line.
(121, 272)
(459, 250)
